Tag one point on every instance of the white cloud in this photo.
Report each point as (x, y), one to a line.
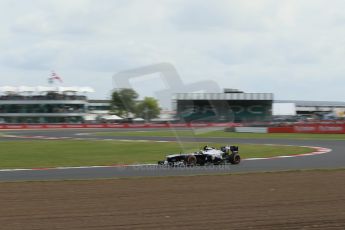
(287, 47)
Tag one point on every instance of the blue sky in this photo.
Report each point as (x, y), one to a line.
(292, 48)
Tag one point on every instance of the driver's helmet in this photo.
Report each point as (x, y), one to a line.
(225, 149)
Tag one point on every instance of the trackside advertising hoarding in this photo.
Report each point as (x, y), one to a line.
(310, 128)
(81, 126)
(297, 128)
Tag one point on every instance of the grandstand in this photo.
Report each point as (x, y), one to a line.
(43, 104)
(230, 106)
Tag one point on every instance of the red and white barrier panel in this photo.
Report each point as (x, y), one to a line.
(81, 126)
(310, 128)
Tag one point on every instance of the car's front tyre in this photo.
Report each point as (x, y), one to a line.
(190, 160)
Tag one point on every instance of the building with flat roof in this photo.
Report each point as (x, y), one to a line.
(48, 104)
(315, 109)
(43, 104)
(230, 106)
(99, 105)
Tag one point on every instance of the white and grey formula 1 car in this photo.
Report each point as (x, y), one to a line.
(206, 156)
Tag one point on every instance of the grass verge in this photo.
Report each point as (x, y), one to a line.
(32, 154)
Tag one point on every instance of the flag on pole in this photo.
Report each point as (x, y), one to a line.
(53, 77)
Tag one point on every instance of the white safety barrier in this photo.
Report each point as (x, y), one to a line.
(251, 129)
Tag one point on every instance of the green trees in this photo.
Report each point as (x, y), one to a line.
(148, 108)
(124, 102)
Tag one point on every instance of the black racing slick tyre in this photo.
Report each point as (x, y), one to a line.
(190, 160)
(234, 158)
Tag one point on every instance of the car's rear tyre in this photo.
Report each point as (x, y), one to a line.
(234, 158)
(190, 160)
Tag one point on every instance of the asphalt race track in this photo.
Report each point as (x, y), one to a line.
(333, 159)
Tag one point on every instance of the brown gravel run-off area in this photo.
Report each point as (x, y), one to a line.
(292, 200)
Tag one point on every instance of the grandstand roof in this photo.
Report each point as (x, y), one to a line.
(224, 96)
(44, 89)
